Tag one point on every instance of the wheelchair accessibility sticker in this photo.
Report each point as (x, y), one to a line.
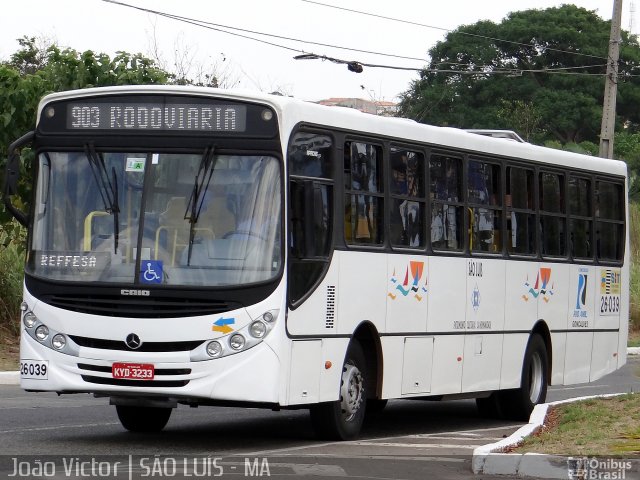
(151, 271)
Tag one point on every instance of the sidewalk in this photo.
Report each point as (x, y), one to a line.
(488, 460)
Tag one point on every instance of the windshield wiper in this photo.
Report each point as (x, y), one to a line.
(200, 187)
(108, 191)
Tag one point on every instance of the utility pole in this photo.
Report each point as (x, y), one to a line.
(611, 84)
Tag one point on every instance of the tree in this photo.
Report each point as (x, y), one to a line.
(32, 73)
(549, 62)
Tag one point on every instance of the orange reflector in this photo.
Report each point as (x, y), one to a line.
(327, 365)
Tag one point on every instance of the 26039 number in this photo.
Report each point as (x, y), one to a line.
(34, 369)
(609, 304)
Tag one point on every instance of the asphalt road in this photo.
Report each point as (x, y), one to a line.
(410, 439)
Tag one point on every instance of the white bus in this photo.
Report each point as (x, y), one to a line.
(209, 247)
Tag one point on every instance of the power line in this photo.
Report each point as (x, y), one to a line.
(354, 66)
(409, 22)
(219, 27)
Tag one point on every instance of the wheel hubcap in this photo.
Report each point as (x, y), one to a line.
(536, 377)
(351, 392)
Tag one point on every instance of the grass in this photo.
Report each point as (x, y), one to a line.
(595, 427)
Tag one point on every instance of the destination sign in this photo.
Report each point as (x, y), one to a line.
(200, 117)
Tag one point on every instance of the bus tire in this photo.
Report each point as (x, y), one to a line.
(519, 403)
(143, 419)
(342, 419)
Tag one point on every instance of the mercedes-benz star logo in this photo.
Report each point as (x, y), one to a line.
(133, 341)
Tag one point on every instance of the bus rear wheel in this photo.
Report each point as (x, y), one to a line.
(519, 403)
(342, 419)
(143, 419)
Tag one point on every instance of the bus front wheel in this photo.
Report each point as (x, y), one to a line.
(143, 419)
(342, 419)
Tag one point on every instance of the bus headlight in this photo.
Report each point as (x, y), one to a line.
(59, 341)
(237, 341)
(257, 329)
(29, 319)
(214, 349)
(42, 332)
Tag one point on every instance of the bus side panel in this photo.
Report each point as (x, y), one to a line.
(580, 317)
(485, 313)
(447, 310)
(521, 313)
(318, 314)
(363, 290)
(392, 351)
(407, 290)
(623, 336)
(604, 358)
(609, 300)
(553, 305)
(333, 351)
(304, 384)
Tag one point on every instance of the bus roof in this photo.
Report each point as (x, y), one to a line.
(293, 111)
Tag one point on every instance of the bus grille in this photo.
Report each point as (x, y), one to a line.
(139, 307)
(134, 383)
(156, 382)
(145, 347)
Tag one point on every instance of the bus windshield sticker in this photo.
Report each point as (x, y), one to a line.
(135, 164)
(73, 261)
(151, 271)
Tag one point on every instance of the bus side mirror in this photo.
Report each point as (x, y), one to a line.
(12, 176)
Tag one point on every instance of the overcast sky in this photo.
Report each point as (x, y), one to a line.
(103, 27)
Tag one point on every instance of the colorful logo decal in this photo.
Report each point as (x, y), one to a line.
(609, 282)
(610, 288)
(222, 325)
(410, 284)
(580, 310)
(150, 271)
(541, 287)
(475, 298)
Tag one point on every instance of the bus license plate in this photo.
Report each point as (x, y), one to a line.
(133, 371)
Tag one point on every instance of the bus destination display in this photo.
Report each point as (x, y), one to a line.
(150, 116)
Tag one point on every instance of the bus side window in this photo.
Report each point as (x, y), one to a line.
(447, 214)
(580, 219)
(552, 214)
(610, 216)
(407, 211)
(521, 216)
(364, 199)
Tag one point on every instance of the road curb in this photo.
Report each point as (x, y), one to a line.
(9, 378)
(488, 460)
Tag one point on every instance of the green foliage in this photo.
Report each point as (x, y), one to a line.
(540, 105)
(11, 276)
(32, 72)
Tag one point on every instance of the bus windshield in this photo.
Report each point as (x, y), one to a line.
(147, 218)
